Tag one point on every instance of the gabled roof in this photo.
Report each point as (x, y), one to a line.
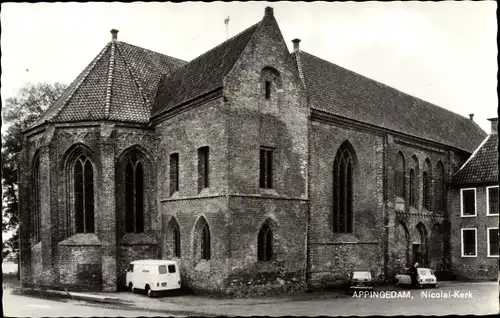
(119, 85)
(338, 91)
(482, 166)
(202, 75)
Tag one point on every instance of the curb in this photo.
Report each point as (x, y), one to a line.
(71, 295)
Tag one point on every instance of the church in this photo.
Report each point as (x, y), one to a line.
(258, 169)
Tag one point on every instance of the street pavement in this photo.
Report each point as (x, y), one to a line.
(449, 298)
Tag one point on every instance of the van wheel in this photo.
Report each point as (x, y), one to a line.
(131, 287)
(149, 292)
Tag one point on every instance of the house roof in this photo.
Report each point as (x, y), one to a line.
(202, 75)
(482, 166)
(338, 91)
(119, 84)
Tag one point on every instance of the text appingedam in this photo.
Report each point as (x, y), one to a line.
(383, 294)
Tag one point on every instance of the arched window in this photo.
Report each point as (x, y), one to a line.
(439, 188)
(426, 187)
(399, 176)
(83, 182)
(412, 188)
(36, 207)
(343, 173)
(173, 239)
(205, 242)
(270, 82)
(134, 196)
(265, 243)
(177, 241)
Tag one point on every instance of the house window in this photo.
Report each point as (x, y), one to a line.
(265, 243)
(174, 173)
(268, 89)
(413, 189)
(36, 209)
(203, 168)
(492, 200)
(266, 168)
(83, 175)
(469, 242)
(205, 242)
(399, 176)
(134, 196)
(343, 168)
(468, 202)
(493, 241)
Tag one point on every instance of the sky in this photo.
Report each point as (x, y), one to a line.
(443, 52)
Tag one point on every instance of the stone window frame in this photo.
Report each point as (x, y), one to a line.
(266, 241)
(134, 225)
(400, 176)
(88, 183)
(439, 185)
(173, 239)
(174, 160)
(70, 158)
(488, 201)
(203, 168)
(462, 203)
(349, 186)
(266, 167)
(141, 154)
(462, 241)
(202, 240)
(413, 183)
(488, 247)
(271, 83)
(427, 185)
(36, 211)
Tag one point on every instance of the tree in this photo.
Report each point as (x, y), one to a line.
(19, 113)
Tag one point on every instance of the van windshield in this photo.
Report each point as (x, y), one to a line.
(162, 269)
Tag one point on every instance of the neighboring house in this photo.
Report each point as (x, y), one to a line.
(254, 167)
(474, 212)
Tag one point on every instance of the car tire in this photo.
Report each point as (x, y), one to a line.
(434, 286)
(130, 287)
(149, 292)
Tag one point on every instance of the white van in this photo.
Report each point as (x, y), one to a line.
(153, 276)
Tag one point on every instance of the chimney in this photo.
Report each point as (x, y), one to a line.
(494, 125)
(471, 116)
(114, 35)
(269, 12)
(296, 46)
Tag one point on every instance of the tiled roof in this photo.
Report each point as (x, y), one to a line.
(482, 166)
(202, 75)
(338, 91)
(119, 84)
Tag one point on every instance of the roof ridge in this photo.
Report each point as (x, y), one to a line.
(109, 85)
(212, 49)
(84, 77)
(155, 52)
(474, 153)
(396, 89)
(134, 78)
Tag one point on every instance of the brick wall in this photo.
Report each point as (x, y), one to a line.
(480, 267)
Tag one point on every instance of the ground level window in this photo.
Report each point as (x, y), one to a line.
(493, 241)
(469, 239)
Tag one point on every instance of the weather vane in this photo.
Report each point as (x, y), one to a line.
(226, 22)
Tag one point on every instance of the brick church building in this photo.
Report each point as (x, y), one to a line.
(257, 169)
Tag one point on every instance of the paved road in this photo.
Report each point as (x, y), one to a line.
(25, 306)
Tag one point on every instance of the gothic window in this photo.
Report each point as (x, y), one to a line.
(266, 168)
(343, 169)
(205, 242)
(270, 82)
(203, 168)
(177, 241)
(439, 188)
(174, 173)
(412, 188)
(399, 176)
(265, 243)
(134, 196)
(426, 187)
(83, 183)
(36, 207)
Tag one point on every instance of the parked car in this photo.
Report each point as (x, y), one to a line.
(360, 280)
(153, 276)
(425, 278)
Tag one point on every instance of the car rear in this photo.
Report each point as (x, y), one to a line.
(426, 277)
(167, 278)
(360, 280)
